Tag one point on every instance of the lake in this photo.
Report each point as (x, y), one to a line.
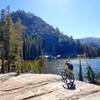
(57, 66)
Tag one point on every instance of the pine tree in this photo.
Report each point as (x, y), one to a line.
(10, 44)
(90, 74)
(12, 40)
(9, 39)
(80, 71)
(18, 48)
(3, 35)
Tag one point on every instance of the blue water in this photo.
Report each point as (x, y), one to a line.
(56, 66)
(94, 63)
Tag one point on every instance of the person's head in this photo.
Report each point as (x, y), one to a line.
(67, 62)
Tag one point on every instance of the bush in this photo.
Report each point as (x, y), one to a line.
(33, 66)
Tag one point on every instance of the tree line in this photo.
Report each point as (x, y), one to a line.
(11, 41)
(13, 45)
(24, 36)
(53, 41)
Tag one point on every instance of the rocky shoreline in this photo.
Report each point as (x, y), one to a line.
(44, 87)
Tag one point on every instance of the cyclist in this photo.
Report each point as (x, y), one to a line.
(69, 69)
(67, 75)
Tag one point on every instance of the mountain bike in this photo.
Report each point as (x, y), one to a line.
(68, 77)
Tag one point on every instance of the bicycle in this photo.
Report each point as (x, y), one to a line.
(68, 78)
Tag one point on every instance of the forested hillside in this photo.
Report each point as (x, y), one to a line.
(53, 42)
(40, 38)
(26, 38)
(91, 41)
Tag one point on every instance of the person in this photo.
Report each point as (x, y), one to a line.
(66, 68)
(69, 69)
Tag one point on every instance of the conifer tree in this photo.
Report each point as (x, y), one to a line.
(12, 40)
(18, 48)
(80, 71)
(90, 74)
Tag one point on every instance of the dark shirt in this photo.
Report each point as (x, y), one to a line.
(70, 66)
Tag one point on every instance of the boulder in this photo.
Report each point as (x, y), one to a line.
(45, 87)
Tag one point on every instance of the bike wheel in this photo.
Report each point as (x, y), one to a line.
(63, 74)
(72, 78)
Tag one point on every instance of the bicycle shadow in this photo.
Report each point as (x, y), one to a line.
(70, 86)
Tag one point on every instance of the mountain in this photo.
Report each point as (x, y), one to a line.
(40, 38)
(91, 41)
(33, 24)
(54, 42)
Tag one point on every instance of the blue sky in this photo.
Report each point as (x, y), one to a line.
(79, 18)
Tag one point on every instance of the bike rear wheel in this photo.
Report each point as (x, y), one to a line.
(63, 74)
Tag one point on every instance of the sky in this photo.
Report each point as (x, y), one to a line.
(77, 18)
